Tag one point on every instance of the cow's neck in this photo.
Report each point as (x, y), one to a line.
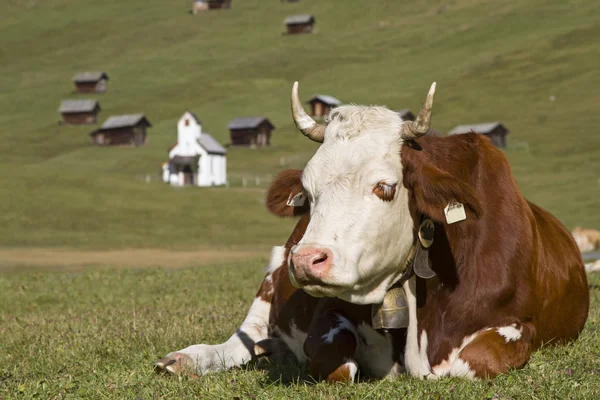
(473, 251)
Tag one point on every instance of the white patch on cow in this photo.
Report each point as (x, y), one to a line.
(415, 356)
(294, 341)
(462, 369)
(453, 365)
(352, 368)
(374, 353)
(445, 368)
(369, 238)
(256, 324)
(510, 333)
(277, 259)
(343, 325)
(239, 348)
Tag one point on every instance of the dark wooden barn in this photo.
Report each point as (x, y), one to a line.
(216, 4)
(320, 104)
(251, 131)
(494, 130)
(302, 23)
(91, 82)
(77, 112)
(122, 130)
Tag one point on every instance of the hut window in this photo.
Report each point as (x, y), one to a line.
(187, 122)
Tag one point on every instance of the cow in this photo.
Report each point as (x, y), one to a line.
(411, 254)
(586, 239)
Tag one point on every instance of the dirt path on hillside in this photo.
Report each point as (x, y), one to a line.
(70, 259)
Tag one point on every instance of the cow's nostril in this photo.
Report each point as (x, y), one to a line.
(323, 257)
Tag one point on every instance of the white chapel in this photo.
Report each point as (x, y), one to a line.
(197, 158)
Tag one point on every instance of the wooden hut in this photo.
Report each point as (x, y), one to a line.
(320, 104)
(302, 23)
(496, 131)
(91, 82)
(251, 131)
(199, 6)
(77, 112)
(405, 114)
(122, 130)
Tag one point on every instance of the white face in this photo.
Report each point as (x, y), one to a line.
(358, 207)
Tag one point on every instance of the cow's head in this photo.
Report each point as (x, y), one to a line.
(361, 229)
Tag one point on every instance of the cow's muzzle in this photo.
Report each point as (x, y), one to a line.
(309, 264)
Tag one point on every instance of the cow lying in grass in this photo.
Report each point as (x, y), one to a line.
(412, 254)
(586, 239)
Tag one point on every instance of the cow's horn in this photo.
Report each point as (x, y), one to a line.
(304, 122)
(420, 126)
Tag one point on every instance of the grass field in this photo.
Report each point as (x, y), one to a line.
(84, 310)
(499, 60)
(95, 334)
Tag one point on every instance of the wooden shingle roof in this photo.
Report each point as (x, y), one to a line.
(93, 76)
(78, 106)
(124, 121)
(329, 100)
(247, 122)
(483, 128)
(299, 19)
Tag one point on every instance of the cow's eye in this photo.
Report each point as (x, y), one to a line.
(385, 191)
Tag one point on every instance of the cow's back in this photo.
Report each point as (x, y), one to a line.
(560, 281)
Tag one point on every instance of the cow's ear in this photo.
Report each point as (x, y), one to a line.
(434, 189)
(285, 197)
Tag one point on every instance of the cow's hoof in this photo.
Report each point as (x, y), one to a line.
(175, 363)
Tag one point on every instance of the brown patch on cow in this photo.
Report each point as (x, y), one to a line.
(286, 185)
(509, 261)
(432, 188)
(489, 355)
(341, 374)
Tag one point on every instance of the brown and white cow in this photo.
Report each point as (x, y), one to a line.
(586, 239)
(508, 275)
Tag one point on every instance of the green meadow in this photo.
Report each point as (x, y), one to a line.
(94, 335)
(69, 331)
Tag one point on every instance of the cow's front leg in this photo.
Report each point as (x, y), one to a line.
(241, 347)
(489, 352)
(331, 346)
(237, 350)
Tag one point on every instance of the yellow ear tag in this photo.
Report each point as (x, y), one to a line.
(455, 212)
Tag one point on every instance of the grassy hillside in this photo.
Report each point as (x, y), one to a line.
(499, 60)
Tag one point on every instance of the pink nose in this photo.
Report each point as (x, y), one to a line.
(311, 262)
